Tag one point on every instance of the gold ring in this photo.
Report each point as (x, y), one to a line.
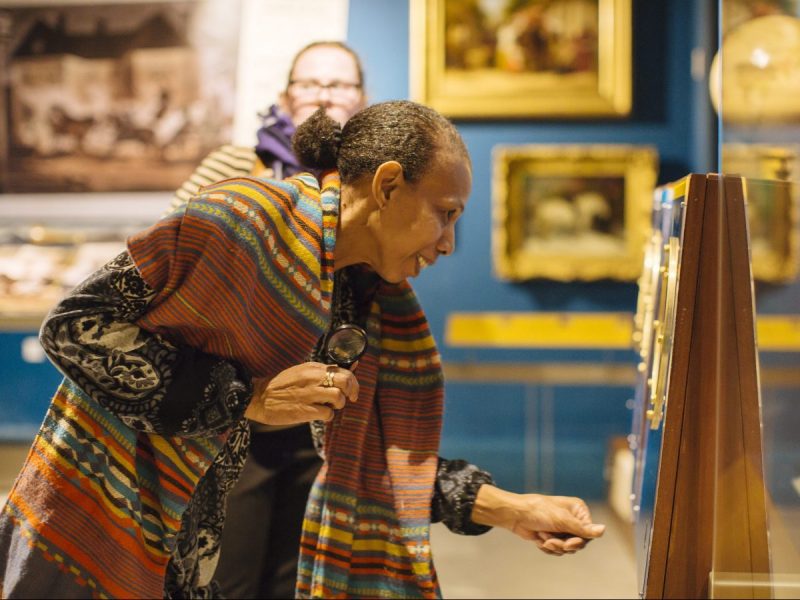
(329, 373)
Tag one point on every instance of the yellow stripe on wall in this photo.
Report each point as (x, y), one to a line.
(585, 330)
(779, 333)
(540, 330)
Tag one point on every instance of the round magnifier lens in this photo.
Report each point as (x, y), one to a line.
(346, 344)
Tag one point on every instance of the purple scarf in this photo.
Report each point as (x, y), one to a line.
(274, 146)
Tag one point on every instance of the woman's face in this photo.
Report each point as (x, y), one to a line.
(417, 221)
(323, 76)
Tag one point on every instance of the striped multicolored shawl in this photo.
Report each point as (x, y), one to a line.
(245, 273)
(366, 530)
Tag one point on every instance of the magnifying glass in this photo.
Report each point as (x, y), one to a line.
(346, 344)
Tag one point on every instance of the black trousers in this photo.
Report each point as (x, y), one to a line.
(264, 515)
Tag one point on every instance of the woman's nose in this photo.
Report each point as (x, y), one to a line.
(447, 243)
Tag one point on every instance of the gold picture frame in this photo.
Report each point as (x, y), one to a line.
(571, 212)
(771, 174)
(563, 58)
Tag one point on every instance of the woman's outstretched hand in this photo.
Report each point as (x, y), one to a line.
(306, 392)
(556, 524)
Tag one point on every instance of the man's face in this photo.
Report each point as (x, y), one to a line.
(323, 76)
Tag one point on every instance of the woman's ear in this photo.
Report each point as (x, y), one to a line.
(387, 178)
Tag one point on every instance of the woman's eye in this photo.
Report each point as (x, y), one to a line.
(450, 214)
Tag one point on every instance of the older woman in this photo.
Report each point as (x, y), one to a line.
(212, 316)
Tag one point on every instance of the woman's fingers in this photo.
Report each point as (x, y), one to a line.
(306, 392)
(559, 543)
(336, 378)
(323, 413)
(560, 547)
(333, 397)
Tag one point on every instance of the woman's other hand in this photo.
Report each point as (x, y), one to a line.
(307, 392)
(556, 524)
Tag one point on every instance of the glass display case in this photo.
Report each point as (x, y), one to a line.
(653, 330)
(48, 244)
(716, 490)
(754, 85)
(699, 477)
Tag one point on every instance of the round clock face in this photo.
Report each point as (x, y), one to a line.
(756, 75)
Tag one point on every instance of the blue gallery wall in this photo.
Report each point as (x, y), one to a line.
(27, 382)
(663, 116)
(552, 439)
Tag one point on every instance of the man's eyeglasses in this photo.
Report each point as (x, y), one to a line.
(312, 87)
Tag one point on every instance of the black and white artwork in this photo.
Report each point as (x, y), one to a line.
(111, 97)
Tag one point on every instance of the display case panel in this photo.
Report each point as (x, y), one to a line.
(50, 243)
(653, 332)
(699, 484)
(753, 83)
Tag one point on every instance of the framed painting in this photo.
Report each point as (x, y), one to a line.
(522, 58)
(113, 96)
(772, 190)
(571, 212)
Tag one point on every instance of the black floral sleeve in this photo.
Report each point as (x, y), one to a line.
(151, 384)
(454, 494)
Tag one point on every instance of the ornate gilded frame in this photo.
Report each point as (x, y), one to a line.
(603, 91)
(606, 190)
(771, 175)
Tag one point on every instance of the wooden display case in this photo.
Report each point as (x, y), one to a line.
(699, 496)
